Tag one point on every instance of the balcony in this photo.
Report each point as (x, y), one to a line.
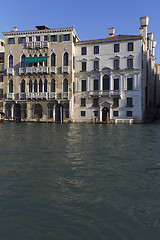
(52, 95)
(114, 93)
(22, 71)
(36, 70)
(40, 44)
(37, 95)
(10, 71)
(64, 95)
(95, 93)
(10, 96)
(104, 93)
(52, 70)
(22, 95)
(65, 69)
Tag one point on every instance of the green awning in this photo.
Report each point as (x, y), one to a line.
(36, 59)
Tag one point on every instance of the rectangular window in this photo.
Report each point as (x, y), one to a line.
(2, 44)
(83, 51)
(129, 113)
(66, 37)
(96, 84)
(116, 64)
(96, 49)
(130, 63)
(115, 102)
(11, 40)
(84, 66)
(129, 102)
(1, 78)
(96, 65)
(83, 113)
(83, 85)
(116, 84)
(30, 39)
(83, 102)
(21, 40)
(37, 38)
(116, 47)
(115, 113)
(129, 83)
(130, 46)
(95, 102)
(53, 38)
(46, 38)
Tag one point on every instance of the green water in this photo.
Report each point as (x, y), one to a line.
(79, 181)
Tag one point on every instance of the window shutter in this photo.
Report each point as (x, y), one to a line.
(49, 38)
(13, 40)
(19, 40)
(60, 38)
(68, 37)
(55, 38)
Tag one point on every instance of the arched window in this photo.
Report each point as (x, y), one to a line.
(30, 85)
(45, 63)
(40, 85)
(45, 85)
(106, 84)
(65, 59)
(53, 85)
(35, 85)
(65, 85)
(53, 60)
(23, 61)
(10, 61)
(11, 86)
(30, 64)
(23, 86)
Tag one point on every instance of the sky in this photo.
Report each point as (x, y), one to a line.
(91, 18)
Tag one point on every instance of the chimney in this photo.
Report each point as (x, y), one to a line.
(153, 47)
(150, 36)
(15, 29)
(144, 24)
(111, 31)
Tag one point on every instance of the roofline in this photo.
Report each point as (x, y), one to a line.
(54, 30)
(103, 40)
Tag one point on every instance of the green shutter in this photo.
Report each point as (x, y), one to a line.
(49, 39)
(13, 40)
(19, 40)
(61, 38)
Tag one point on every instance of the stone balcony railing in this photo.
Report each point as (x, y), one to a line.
(10, 71)
(65, 69)
(52, 70)
(103, 93)
(36, 95)
(33, 70)
(40, 44)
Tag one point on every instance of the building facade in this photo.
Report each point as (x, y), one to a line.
(52, 76)
(39, 74)
(116, 77)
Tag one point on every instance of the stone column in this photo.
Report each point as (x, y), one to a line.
(88, 84)
(12, 112)
(111, 82)
(76, 84)
(101, 82)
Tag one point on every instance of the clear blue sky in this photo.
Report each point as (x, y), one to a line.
(91, 18)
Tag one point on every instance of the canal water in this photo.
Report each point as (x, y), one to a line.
(79, 181)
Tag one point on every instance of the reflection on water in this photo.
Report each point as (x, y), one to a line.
(79, 181)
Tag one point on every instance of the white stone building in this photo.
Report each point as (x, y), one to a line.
(115, 78)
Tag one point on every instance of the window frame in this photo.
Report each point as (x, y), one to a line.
(96, 49)
(116, 47)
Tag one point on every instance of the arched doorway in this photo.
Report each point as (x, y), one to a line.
(17, 112)
(105, 114)
(37, 111)
(58, 113)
